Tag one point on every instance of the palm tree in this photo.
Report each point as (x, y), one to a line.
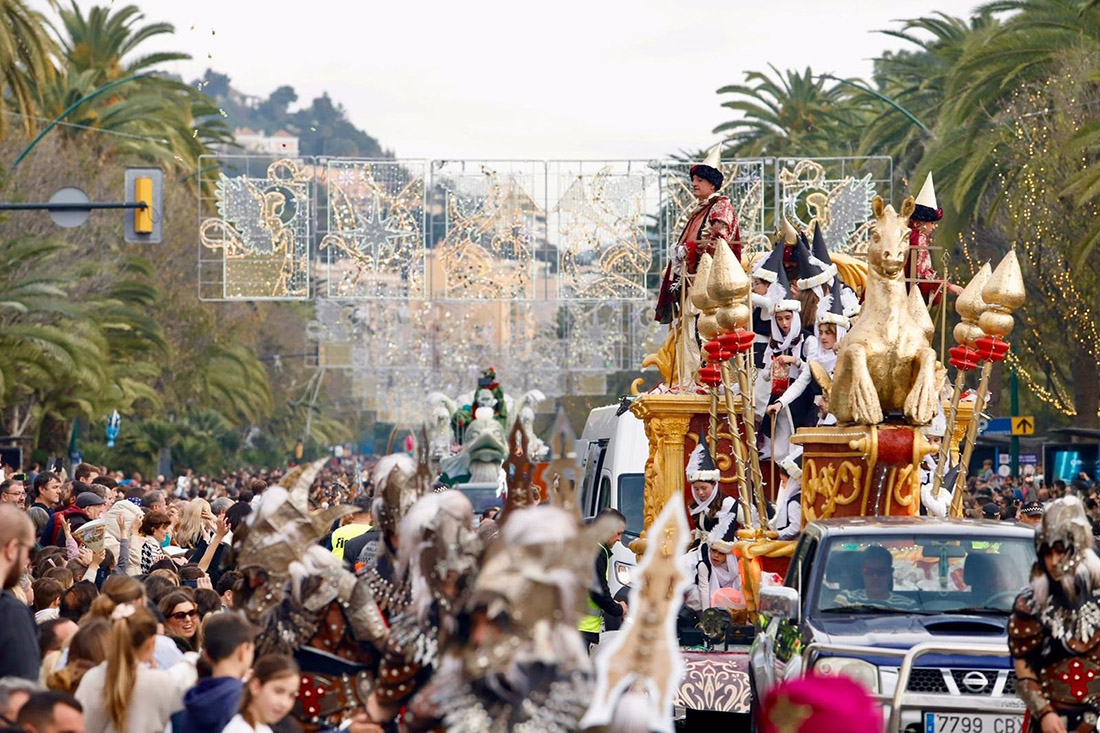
(154, 117)
(1026, 47)
(25, 59)
(916, 80)
(790, 113)
(234, 382)
(102, 40)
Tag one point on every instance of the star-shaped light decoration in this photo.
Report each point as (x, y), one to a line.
(376, 225)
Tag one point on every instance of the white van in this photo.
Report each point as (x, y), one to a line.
(613, 451)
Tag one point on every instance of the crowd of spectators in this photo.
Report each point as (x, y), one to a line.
(117, 610)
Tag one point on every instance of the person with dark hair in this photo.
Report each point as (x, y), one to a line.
(12, 492)
(601, 604)
(208, 601)
(47, 491)
(224, 588)
(269, 695)
(878, 583)
(353, 526)
(85, 473)
(228, 649)
(145, 549)
(181, 619)
(157, 587)
(51, 712)
(53, 636)
(236, 514)
(47, 599)
(712, 219)
(76, 601)
(18, 633)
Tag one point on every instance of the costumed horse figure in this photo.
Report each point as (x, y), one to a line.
(886, 363)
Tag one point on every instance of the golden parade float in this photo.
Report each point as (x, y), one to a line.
(888, 385)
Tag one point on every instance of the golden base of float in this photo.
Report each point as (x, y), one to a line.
(673, 424)
(861, 471)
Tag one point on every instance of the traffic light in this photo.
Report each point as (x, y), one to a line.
(143, 218)
(144, 185)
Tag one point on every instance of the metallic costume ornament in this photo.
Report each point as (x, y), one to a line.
(1054, 630)
(886, 363)
(518, 662)
(398, 483)
(437, 555)
(308, 605)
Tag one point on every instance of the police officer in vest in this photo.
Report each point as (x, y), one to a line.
(600, 601)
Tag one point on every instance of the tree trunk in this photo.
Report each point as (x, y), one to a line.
(1086, 390)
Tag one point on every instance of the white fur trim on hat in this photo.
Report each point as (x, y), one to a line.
(789, 465)
(764, 274)
(787, 305)
(708, 476)
(834, 318)
(820, 278)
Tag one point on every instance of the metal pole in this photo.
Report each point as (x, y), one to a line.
(738, 446)
(90, 206)
(1014, 397)
(971, 439)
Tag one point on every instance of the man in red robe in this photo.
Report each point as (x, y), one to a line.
(712, 219)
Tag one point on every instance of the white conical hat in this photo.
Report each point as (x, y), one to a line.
(714, 157)
(927, 195)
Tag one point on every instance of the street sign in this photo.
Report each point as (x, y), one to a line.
(1024, 425)
(70, 217)
(996, 426)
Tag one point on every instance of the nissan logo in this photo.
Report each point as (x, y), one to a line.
(975, 681)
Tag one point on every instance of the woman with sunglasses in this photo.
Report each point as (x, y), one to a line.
(181, 619)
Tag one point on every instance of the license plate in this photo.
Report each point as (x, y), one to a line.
(972, 723)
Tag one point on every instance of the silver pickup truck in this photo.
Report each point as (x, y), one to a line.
(915, 609)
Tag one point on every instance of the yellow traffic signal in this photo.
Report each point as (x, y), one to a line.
(143, 193)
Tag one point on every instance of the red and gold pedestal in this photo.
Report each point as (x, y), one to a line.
(674, 424)
(861, 471)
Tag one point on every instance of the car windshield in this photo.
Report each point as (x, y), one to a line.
(482, 499)
(922, 574)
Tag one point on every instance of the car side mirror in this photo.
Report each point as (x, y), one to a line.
(778, 601)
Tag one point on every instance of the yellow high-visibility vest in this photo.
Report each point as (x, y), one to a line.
(341, 536)
(592, 622)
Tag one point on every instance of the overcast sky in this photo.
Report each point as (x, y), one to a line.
(515, 79)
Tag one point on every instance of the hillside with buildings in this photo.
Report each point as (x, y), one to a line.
(268, 126)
